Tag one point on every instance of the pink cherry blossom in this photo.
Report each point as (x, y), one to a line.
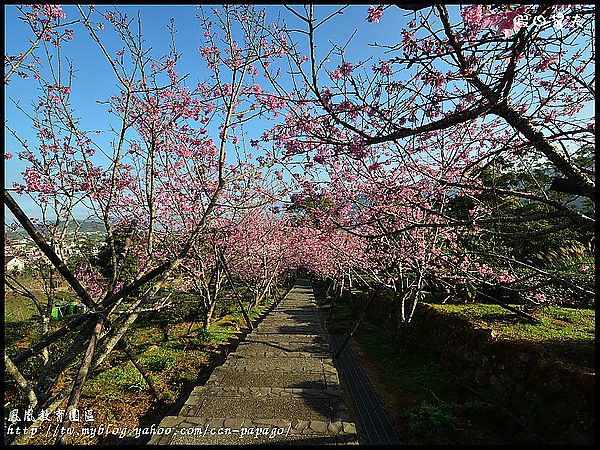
(374, 14)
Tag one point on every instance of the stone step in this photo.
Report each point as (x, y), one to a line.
(254, 346)
(256, 351)
(290, 317)
(305, 308)
(279, 364)
(300, 309)
(285, 338)
(279, 386)
(181, 430)
(307, 300)
(196, 396)
(288, 329)
(297, 311)
(231, 376)
(234, 391)
(277, 317)
(292, 297)
(290, 302)
(304, 317)
(294, 314)
(265, 404)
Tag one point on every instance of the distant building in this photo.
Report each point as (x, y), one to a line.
(13, 264)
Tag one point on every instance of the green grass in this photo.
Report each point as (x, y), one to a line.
(111, 383)
(173, 353)
(427, 403)
(562, 334)
(344, 318)
(172, 356)
(555, 322)
(428, 419)
(18, 308)
(408, 369)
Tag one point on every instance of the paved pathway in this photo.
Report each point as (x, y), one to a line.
(279, 386)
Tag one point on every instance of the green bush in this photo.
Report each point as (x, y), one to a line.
(428, 419)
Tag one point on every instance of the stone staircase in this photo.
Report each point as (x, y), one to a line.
(279, 386)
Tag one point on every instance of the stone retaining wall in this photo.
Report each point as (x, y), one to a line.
(554, 399)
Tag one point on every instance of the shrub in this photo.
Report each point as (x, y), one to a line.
(428, 419)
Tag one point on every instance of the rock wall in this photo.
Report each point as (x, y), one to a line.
(554, 399)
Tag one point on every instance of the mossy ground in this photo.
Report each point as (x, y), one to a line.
(555, 322)
(561, 334)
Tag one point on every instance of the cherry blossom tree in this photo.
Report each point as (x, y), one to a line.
(169, 181)
(409, 173)
(467, 96)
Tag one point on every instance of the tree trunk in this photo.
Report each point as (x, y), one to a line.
(81, 377)
(136, 362)
(209, 313)
(21, 381)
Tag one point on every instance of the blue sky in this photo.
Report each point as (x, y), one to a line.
(95, 81)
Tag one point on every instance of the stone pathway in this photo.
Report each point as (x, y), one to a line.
(279, 386)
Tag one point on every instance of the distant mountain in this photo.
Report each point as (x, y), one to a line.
(88, 226)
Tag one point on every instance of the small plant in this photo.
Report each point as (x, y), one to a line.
(428, 419)
(160, 364)
(110, 383)
(203, 334)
